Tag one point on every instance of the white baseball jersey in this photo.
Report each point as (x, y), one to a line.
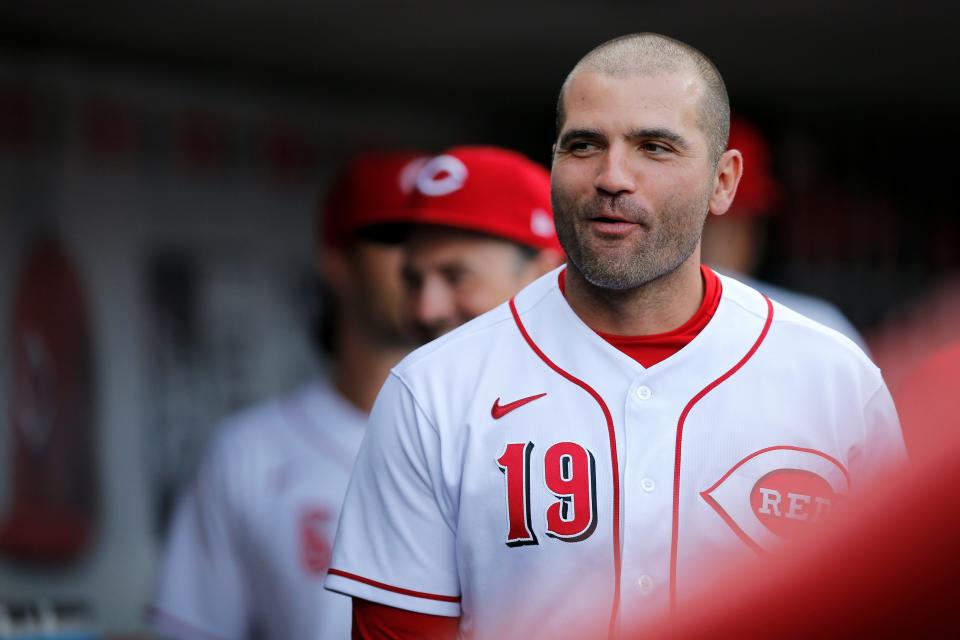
(251, 540)
(526, 475)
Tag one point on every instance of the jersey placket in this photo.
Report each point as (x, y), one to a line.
(649, 433)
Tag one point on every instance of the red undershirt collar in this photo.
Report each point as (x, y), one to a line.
(651, 349)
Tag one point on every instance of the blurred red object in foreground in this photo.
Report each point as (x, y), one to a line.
(928, 400)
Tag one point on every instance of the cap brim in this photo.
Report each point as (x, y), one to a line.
(385, 232)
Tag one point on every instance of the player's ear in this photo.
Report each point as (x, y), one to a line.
(726, 178)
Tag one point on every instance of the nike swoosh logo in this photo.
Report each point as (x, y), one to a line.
(498, 410)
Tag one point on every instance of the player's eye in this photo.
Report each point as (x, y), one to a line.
(454, 275)
(581, 147)
(654, 148)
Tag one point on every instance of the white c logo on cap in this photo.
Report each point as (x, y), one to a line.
(441, 175)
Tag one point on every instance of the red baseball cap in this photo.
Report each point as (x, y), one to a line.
(372, 187)
(489, 190)
(759, 191)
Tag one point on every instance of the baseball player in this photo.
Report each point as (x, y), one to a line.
(251, 539)
(583, 452)
(478, 230)
(732, 243)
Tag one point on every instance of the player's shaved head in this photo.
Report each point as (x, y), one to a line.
(654, 54)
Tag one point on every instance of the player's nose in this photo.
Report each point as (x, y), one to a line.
(614, 172)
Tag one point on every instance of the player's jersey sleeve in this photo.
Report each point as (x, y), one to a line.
(201, 584)
(883, 445)
(396, 542)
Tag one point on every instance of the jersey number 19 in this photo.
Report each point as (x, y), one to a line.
(569, 473)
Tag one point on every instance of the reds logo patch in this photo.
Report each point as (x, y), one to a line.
(776, 493)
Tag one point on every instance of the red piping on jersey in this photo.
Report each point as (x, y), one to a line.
(782, 447)
(613, 459)
(184, 627)
(747, 540)
(726, 517)
(674, 538)
(388, 587)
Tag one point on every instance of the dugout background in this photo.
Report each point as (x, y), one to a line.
(175, 150)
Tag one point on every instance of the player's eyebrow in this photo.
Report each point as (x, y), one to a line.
(660, 133)
(581, 134)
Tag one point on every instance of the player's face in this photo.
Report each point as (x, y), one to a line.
(375, 291)
(632, 176)
(453, 276)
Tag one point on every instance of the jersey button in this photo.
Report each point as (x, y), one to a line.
(647, 484)
(643, 392)
(645, 583)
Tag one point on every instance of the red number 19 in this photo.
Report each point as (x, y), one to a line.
(569, 472)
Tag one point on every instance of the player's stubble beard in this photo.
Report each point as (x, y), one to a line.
(667, 241)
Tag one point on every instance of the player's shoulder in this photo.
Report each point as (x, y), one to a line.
(471, 335)
(265, 431)
(809, 306)
(814, 308)
(247, 426)
(795, 333)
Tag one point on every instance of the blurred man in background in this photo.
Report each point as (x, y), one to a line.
(480, 228)
(734, 242)
(250, 542)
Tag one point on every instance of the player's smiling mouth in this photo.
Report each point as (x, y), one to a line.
(610, 219)
(612, 225)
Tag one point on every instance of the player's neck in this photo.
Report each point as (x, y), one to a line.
(656, 307)
(362, 365)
